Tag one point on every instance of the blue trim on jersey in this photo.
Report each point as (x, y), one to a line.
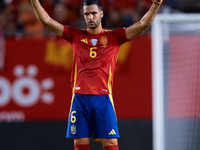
(92, 116)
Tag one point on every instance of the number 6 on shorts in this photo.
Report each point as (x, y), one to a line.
(73, 118)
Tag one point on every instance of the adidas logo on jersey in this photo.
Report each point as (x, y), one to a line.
(84, 41)
(112, 132)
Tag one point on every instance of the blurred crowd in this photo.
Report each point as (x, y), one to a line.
(17, 18)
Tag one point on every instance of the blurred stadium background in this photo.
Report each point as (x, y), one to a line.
(35, 67)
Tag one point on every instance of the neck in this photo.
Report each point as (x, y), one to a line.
(95, 31)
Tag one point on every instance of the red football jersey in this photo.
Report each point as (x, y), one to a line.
(94, 59)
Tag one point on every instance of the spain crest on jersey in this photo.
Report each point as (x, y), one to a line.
(103, 40)
(94, 42)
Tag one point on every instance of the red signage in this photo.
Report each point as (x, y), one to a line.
(35, 83)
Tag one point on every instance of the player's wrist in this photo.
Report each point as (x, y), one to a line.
(156, 2)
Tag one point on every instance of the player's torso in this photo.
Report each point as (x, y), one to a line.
(94, 62)
(94, 51)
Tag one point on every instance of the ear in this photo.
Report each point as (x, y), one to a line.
(101, 14)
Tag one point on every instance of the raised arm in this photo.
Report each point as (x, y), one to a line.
(137, 28)
(45, 19)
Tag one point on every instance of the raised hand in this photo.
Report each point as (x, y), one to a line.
(159, 2)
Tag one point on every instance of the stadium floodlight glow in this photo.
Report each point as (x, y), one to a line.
(171, 48)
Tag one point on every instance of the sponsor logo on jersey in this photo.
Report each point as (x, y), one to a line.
(94, 42)
(73, 129)
(84, 41)
(112, 132)
(103, 40)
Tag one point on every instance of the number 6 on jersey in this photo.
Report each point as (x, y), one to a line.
(93, 54)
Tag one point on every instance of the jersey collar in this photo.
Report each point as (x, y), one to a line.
(102, 31)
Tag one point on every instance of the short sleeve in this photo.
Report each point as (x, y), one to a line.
(67, 33)
(120, 34)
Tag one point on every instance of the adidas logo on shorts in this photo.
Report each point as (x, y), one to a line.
(112, 132)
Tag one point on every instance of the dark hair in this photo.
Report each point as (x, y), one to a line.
(92, 2)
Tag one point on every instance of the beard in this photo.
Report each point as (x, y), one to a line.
(94, 25)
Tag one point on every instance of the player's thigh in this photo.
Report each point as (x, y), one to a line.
(105, 121)
(107, 142)
(78, 123)
(81, 141)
